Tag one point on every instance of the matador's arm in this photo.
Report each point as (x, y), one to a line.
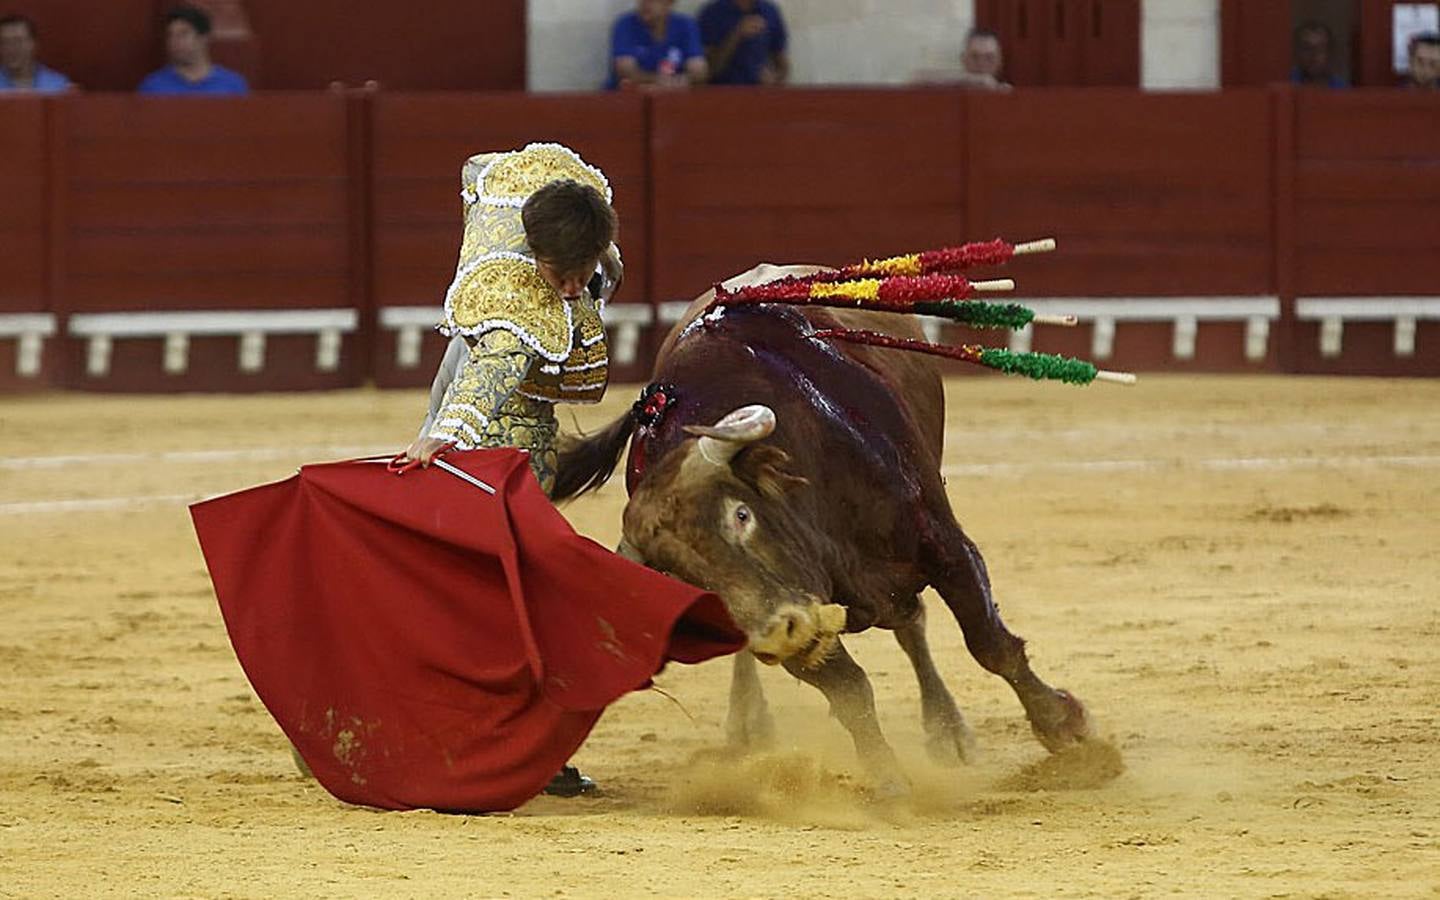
(485, 376)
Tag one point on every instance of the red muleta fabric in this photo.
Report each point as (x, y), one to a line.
(425, 644)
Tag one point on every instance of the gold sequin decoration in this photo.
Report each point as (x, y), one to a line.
(483, 409)
(515, 176)
(585, 373)
(509, 292)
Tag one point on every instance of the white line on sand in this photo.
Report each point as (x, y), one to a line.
(1222, 464)
(1100, 466)
(251, 454)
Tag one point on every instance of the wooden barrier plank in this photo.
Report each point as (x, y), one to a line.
(218, 251)
(296, 289)
(741, 177)
(1147, 194)
(205, 203)
(160, 205)
(1366, 192)
(120, 139)
(1367, 125)
(22, 206)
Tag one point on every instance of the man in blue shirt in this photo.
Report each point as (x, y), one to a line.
(1313, 45)
(654, 47)
(744, 42)
(187, 45)
(18, 69)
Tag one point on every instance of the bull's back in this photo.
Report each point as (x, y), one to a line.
(912, 379)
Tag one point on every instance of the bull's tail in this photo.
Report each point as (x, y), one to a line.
(585, 463)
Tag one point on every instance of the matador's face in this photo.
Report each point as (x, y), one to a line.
(567, 284)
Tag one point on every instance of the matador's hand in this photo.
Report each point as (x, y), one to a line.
(426, 449)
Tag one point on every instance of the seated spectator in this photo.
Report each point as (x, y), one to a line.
(983, 60)
(1424, 62)
(980, 64)
(187, 46)
(744, 42)
(655, 47)
(1314, 43)
(19, 71)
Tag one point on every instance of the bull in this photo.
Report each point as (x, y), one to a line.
(799, 479)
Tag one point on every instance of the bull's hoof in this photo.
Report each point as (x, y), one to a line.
(1073, 725)
(950, 743)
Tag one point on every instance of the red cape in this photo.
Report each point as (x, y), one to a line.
(425, 644)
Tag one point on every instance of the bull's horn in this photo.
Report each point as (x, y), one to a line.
(720, 442)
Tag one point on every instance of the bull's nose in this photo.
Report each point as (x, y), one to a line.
(789, 630)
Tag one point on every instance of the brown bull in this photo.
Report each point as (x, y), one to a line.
(800, 480)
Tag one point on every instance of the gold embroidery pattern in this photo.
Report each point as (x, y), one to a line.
(483, 409)
(510, 178)
(584, 374)
(505, 290)
(489, 229)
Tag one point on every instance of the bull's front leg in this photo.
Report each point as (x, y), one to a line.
(957, 572)
(749, 723)
(852, 702)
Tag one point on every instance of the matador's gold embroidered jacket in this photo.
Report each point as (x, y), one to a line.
(517, 347)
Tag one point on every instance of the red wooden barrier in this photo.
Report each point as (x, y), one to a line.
(1367, 187)
(23, 213)
(201, 206)
(740, 177)
(1149, 195)
(420, 142)
(291, 241)
(25, 315)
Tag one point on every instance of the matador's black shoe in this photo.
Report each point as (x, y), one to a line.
(570, 783)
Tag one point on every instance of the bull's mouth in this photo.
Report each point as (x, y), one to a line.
(810, 656)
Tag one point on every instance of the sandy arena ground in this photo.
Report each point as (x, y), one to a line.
(1241, 577)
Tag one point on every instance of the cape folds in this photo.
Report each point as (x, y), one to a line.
(425, 644)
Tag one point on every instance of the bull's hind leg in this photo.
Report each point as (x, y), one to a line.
(852, 702)
(957, 572)
(749, 723)
(948, 739)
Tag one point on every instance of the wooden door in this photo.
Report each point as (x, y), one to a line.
(1066, 43)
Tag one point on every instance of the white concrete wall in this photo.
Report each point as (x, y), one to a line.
(1180, 44)
(867, 41)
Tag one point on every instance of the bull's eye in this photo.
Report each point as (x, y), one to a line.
(739, 523)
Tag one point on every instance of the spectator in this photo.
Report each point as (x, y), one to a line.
(655, 47)
(18, 69)
(983, 60)
(980, 64)
(1314, 46)
(744, 42)
(1424, 61)
(187, 46)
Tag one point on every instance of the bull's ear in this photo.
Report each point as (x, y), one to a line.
(766, 468)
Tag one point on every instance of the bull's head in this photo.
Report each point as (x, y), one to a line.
(721, 512)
